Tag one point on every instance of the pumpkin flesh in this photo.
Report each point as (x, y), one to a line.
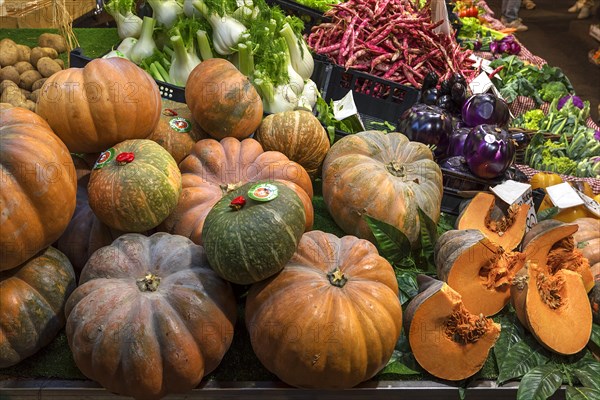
(507, 231)
(384, 176)
(478, 269)
(446, 339)
(330, 318)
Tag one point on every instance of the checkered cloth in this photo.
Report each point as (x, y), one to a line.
(593, 182)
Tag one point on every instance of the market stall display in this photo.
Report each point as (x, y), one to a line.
(320, 250)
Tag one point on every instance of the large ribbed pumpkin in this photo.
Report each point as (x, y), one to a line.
(330, 318)
(250, 241)
(587, 239)
(214, 169)
(106, 102)
(85, 233)
(297, 134)
(37, 186)
(384, 176)
(176, 131)
(149, 317)
(32, 300)
(222, 100)
(134, 186)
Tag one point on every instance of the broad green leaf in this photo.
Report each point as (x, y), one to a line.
(524, 356)
(407, 282)
(548, 213)
(595, 337)
(393, 245)
(446, 223)
(396, 365)
(511, 333)
(540, 383)
(428, 237)
(588, 373)
(582, 393)
(462, 393)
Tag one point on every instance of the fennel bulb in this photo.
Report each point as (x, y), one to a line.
(183, 62)
(308, 98)
(296, 83)
(114, 53)
(302, 60)
(227, 31)
(126, 46)
(166, 12)
(189, 10)
(128, 24)
(145, 46)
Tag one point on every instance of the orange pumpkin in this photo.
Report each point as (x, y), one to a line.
(384, 176)
(222, 100)
(214, 169)
(32, 300)
(330, 318)
(587, 239)
(37, 189)
(104, 103)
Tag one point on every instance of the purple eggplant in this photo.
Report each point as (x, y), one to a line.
(456, 142)
(485, 108)
(427, 124)
(489, 151)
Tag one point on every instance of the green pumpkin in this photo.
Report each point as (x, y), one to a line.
(134, 186)
(251, 242)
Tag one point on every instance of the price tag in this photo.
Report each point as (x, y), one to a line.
(564, 196)
(512, 192)
(482, 63)
(483, 84)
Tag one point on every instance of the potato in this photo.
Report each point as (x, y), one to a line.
(14, 97)
(8, 53)
(38, 84)
(23, 66)
(8, 84)
(35, 95)
(54, 41)
(47, 67)
(25, 93)
(39, 52)
(60, 62)
(30, 105)
(28, 78)
(6, 106)
(10, 73)
(24, 52)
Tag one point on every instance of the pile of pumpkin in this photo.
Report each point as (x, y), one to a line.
(128, 220)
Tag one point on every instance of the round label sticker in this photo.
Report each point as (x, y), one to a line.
(104, 158)
(489, 138)
(180, 125)
(263, 192)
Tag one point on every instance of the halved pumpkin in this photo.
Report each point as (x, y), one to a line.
(506, 231)
(477, 268)
(554, 307)
(446, 339)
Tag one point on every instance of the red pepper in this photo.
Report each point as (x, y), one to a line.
(169, 112)
(494, 72)
(237, 203)
(125, 158)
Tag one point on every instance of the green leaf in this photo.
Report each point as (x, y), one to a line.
(595, 337)
(511, 333)
(582, 393)
(523, 357)
(548, 213)
(407, 283)
(396, 366)
(392, 244)
(423, 253)
(540, 383)
(588, 373)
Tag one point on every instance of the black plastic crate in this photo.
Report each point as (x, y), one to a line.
(309, 16)
(377, 100)
(167, 91)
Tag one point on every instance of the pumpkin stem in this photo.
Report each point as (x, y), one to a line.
(395, 168)
(229, 187)
(337, 278)
(125, 158)
(148, 283)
